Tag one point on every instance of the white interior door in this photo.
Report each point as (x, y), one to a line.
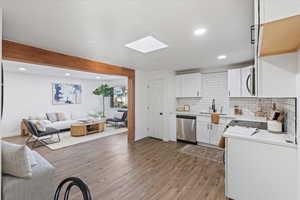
(156, 108)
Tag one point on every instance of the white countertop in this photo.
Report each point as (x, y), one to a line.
(262, 136)
(203, 114)
(236, 117)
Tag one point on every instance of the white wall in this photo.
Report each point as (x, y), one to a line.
(278, 72)
(298, 118)
(31, 95)
(140, 105)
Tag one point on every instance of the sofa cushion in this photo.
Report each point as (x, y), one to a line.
(52, 117)
(61, 116)
(37, 117)
(16, 160)
(41, 125)
(60, 125)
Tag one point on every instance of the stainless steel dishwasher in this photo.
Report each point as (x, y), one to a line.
(186, 128)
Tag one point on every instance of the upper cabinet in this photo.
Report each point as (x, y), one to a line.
(277, 26)
(234, 83)
(277, 36)
(188, 85)
(271, 10)
(241, 82)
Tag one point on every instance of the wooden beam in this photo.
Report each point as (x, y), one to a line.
(131, 108)
(23, 53)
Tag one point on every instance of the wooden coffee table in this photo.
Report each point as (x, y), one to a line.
(82, 129)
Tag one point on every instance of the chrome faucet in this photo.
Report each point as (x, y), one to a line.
(213, 106)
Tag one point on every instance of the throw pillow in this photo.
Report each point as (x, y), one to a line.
(61, 116)
(41, 125)
(52, 117)
(16, 160)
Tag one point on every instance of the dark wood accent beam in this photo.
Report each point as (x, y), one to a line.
(23, 53)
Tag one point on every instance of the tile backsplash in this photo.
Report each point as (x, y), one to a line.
(250, 105)
(214, 86)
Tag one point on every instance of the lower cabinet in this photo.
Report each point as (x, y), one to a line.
(208, 132)
(259, 171)
(203, 131)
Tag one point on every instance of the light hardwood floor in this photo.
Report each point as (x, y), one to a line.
(148, 169)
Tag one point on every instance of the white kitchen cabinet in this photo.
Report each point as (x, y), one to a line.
(234, 82)
(208, 132)
(188, 85)
(203, 131)
(260, 171)
(240, 82)
(216, 133)
(271, 10)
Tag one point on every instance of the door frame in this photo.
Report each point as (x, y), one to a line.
(14, 51)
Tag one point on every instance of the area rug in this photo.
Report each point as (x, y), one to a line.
(68, 140)
(203, 152)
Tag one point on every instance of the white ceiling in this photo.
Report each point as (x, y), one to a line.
(99, 30)
(11, 66)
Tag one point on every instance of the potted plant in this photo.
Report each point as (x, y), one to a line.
(105, 91)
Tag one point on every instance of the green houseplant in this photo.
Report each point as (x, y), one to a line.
(105, 91)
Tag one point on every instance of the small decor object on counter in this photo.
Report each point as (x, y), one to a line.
(260, 114)
(274, 126)
(215, 118)
(180, 108)
(186, 108)
(237, 110)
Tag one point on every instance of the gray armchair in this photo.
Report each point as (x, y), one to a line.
(40, 136)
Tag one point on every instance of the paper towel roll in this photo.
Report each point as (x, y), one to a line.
(275, 126)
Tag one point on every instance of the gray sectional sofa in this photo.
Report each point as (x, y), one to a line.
(40, 187)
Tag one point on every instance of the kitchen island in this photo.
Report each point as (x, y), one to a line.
(260, 166)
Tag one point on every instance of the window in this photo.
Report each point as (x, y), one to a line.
(119, 98)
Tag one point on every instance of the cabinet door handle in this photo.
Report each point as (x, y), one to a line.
(198, 93)
(252, 29)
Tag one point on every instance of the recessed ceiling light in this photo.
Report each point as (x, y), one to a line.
(222, 57)
(146, 45)
(98, 77)
(200, 31)
(22, 69)
(67, 74)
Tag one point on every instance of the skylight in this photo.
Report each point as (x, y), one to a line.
(146, 45)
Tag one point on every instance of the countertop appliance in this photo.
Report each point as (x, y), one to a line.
(248, 81)
(186, 128)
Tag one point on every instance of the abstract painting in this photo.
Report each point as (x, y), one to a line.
(65, 93)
